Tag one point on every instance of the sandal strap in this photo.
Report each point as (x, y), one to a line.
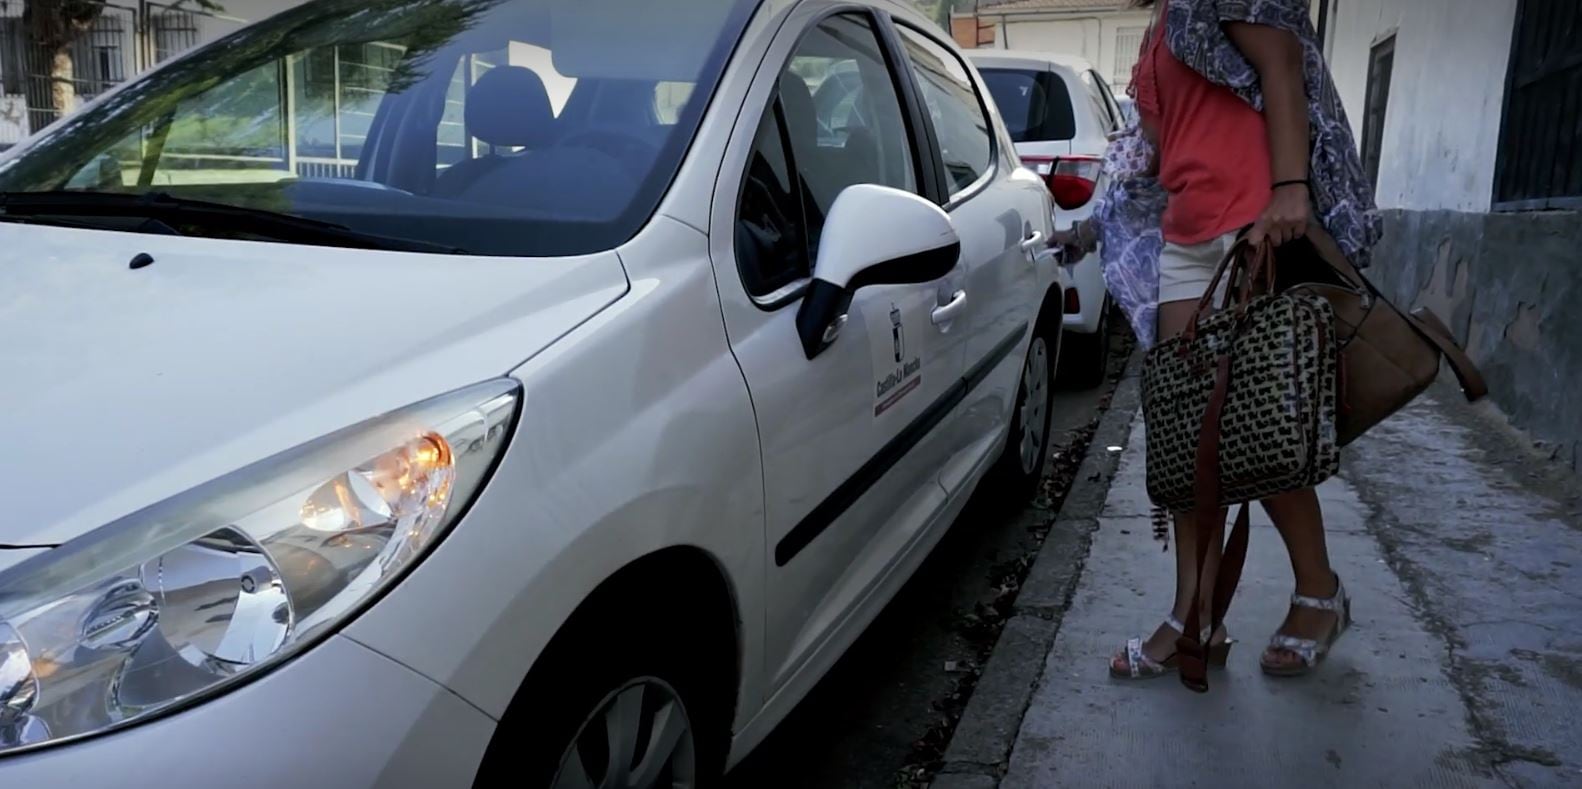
(1307, 649)
(1136, 660)
(1332, 604)
(1180, 627)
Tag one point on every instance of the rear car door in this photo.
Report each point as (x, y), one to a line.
(853, 439)
(1002, 222)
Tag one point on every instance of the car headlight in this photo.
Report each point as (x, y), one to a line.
(183, 598)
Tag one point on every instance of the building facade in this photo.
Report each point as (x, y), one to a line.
(1106, 33)
(1469, 116)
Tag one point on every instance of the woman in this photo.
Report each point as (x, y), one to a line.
(1239, 124)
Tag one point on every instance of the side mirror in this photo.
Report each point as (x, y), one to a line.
(874, 235)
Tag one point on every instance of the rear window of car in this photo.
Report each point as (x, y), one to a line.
(1034, 104)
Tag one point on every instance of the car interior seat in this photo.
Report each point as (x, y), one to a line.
(508, 107)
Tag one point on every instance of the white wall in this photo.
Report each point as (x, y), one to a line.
(1443, 123)
(1088, 37)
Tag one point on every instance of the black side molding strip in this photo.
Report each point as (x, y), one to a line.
(982, 369)
(823, 515)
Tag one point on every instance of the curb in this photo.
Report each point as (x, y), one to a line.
(980, 747)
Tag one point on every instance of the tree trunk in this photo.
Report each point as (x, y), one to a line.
(63, 89)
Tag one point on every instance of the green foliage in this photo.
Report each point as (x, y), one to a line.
(53, 24)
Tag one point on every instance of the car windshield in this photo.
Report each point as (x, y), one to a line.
(495, 127)
(1034, 104)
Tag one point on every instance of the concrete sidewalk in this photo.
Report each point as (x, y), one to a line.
(1464, 562)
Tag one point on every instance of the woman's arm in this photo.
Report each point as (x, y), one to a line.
(1277, 55)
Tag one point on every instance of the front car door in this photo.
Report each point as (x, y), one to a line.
(852, 440)
(1003, 223)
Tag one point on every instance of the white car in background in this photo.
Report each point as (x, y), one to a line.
(1060, 112)
(534, 393)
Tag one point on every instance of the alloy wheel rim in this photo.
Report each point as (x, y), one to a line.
(638, 737)
(1035, 404)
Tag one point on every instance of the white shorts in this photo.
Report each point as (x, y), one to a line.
(1185, 271)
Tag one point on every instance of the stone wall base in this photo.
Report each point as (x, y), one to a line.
(1510, 286)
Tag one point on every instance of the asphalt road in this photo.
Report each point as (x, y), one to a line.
(886, 710)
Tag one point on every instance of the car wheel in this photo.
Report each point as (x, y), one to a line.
(1086, 359)
(1021, 465)
(637, 735)
(620, 710)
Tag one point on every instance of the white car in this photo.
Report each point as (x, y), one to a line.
(439, 393)
(1060, 113)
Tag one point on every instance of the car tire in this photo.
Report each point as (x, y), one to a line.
(1020, 468)
(631, 670)
(1085, 362)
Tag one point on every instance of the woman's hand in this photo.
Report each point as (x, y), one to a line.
(1074, 243)
(1286, 217)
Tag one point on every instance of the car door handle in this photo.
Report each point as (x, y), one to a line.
(1034, 243)
(945, 313)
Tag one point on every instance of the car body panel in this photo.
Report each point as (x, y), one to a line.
(13, 556)
(821, 419)
(636, 435)
(308, 723)
(825, 595)
(1091, 139)
(148, 382)
(655, 394)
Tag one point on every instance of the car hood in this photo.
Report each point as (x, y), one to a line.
(120, 387)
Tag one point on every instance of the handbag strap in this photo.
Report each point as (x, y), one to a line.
(1252, 272)
(1209, 518)
(1434, 330)
(1423, 321)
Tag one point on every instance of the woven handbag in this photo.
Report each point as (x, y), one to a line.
(1241, 406)
(1278, 397)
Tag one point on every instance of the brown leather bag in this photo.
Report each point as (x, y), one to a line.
(1387, 358)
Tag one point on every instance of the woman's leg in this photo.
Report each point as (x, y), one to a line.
(1173, 318)
(1301, 524)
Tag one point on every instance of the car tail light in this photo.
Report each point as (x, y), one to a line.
(1071, 179)
(1073, 302)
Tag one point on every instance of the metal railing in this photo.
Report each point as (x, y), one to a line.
(55, 65)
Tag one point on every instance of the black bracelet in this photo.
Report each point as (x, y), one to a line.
(1294, 182)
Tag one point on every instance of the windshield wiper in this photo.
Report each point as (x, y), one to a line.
(178, 210)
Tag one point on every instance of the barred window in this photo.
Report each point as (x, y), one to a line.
(1128, 45)
(1540, 154)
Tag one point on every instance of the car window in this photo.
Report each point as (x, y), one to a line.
(771, 243)
(957, 110)
(843, 115)
(1109, 100)
(670, 98)
(1035, 105)
(1101, 108)
(494, 127)
(836, 121)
